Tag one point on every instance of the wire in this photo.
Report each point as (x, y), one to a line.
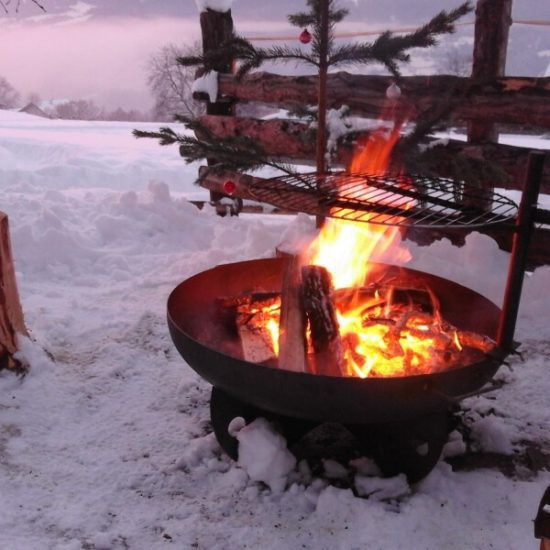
(540, 22)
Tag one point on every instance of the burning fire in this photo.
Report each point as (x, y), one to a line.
(384, 330)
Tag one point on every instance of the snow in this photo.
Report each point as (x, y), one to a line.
(215, 5)
(207, 83)
(263, 454)
(107, 442)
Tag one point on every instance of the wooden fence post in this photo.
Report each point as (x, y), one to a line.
(11, 314)
(493, 20)
(217, 28)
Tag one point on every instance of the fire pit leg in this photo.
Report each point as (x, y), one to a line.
(411, 448)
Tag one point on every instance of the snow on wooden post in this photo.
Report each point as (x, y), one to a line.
(11, 314)
(217, 28)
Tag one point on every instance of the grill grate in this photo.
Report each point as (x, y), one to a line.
(386, 199)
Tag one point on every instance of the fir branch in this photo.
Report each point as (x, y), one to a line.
(390, 49)
(166, 136)
(464, 169)
(251, 57)
(236, 153)
(303, 19)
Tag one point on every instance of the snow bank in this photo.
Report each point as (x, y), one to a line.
(107, 442)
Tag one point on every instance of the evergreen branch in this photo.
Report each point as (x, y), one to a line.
(237, 153)
(251, 57)
(437, 160)
(390, 49)
(166, 136)
(278, 53)
(303, 19)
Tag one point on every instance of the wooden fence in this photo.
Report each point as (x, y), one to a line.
(482, 103)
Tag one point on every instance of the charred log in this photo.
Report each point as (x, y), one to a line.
(250, 315)
(320, 311)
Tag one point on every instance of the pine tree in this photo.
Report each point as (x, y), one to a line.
(243, 154)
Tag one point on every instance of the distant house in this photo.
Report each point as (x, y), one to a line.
(33, 109)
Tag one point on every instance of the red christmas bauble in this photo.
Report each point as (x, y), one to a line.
(229, 187)
(305, 37)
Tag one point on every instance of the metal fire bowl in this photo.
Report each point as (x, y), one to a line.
(205, 340)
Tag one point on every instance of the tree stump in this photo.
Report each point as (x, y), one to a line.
(11, 314)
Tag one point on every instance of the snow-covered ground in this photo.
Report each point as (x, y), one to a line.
(106, 443)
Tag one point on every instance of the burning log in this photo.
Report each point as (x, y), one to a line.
(254, 316)
(11, 314)
(292, 326)
(319, 308)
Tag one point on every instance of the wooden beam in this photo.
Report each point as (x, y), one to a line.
(214, 181)
(11, 314)
(293, 141)
(509, 100)
(279, 137)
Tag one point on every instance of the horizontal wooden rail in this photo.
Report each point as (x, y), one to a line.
(292, 141)
(509, 100)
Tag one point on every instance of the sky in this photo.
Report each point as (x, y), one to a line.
(99, 49)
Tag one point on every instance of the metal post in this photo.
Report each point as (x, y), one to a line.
(520, 248)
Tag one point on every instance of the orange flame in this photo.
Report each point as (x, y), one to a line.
(382, 332)
(345, 247)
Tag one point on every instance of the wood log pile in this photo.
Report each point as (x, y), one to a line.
(396, 327)
(11, 314)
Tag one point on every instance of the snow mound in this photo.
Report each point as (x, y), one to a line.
(264, 455)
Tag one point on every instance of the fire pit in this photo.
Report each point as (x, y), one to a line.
(401, 416)
(297, 401)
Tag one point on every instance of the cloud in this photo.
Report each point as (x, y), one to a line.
(104, 59)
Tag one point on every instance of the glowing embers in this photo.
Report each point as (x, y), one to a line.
(340, 317)
(386, 329)
(398, 331)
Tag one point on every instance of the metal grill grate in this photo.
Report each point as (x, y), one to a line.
(387, 199)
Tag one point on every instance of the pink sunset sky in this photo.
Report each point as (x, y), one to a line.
(104, 60)
(74, 55)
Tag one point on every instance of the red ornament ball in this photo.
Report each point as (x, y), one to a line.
(305, 37)
(229, 187)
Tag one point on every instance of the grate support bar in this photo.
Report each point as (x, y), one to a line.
(520, 247)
